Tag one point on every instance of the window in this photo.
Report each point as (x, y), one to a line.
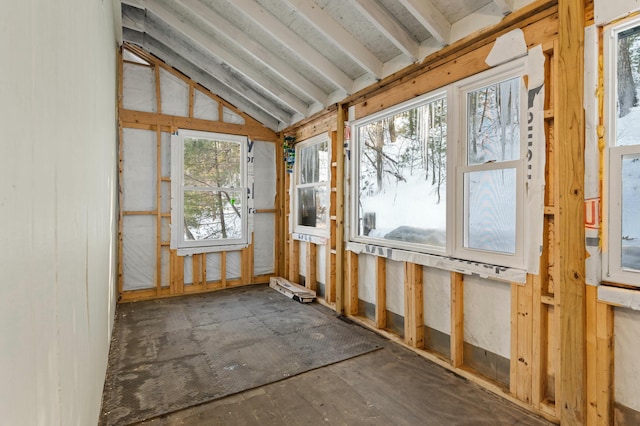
(490, 190)
(400, 176)
(622, 256)
(208, 178)
(311, 193)
(443, 173)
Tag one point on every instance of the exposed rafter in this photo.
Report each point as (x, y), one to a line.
(170, 20)
(258, 52)
(431, 18)
(294, 43)
(196, 54)
(505, 6)
(330, 29)
(175, 59)
(390, 27)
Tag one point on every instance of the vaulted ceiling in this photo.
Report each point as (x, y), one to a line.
(281, 61)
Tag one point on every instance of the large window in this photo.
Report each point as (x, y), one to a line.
(311, 192)
(443, 173)
(401, 173)
(490, 189)
(208, 176)
(622, 227)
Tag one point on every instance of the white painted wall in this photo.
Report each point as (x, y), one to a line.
(395, 287)
(627, 364)
(487, 314)
(367, 278)
(437, 299)
(58, 168)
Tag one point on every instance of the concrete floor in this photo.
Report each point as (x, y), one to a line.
(392, 386)
(389, 386)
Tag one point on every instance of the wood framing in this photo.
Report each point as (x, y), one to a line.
(310, 269)
(381, 292)
(352, 286)
(570, 238)
(457, 319)
(167, 261)
(413, 305)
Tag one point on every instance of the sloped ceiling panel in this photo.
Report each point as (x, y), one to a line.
(283, 60)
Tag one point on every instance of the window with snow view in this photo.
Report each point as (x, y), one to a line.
(622, 260)
(208, 177)
(490, 188)
(415, 188)
(401, 175)
(311, 194)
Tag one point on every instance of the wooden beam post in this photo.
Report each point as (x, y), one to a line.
(340, 252)
(570, 217)
(294, 260)
(352, 287)
(413, 305)
(310, 267)
(381, 292)
(281, 217)
(457, 319)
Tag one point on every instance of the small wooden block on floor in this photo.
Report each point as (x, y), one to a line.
(292, 290)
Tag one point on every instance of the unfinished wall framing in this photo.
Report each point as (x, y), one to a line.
(440, 314)
(154, 101)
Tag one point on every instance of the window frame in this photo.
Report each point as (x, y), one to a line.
(612, 269)
(355, 174)
(456, 164)
(498, 74)
(297, 170)
(178, 188)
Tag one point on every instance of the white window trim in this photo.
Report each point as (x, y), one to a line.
(177, 196)
(495, 75)
(612, 269)
(456, 166)
(355, 173)
(310, 230)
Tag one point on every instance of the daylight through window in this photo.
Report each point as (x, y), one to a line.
(414, 188)
(312, 186)
(210, 195)
(622, 262)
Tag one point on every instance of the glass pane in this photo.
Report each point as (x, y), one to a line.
(628, 112)
(402, 176)
(211, 163)
(493, 123)
(313, 207)
(490, 208)
(631, 211)
(314, 163)
(212, 215)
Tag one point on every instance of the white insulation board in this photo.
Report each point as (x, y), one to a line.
(606, 11)
(233, 264)
(229, 116)
(213, 267)
(627, 362)
(138, 252)
(204, 107)
(487, 315)
(437, 299)
(174, 94)
(165, 154)
(138, 88)
(138, 170)
(321, 264)
(395, 287)
(265, 175)
(264, 243)
(367, 278)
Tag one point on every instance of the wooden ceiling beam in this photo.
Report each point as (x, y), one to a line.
(505, 6)
(169, 20)
(390, 27)
(431, 18)
(258, 52)
(294, 43)
(340, 37)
